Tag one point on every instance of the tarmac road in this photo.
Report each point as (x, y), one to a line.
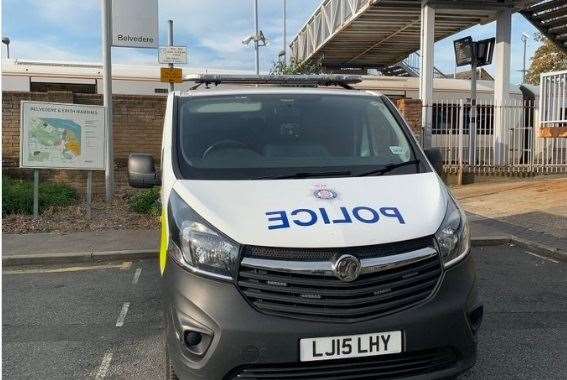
(105, 321)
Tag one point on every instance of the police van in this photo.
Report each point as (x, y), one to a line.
(305, 234)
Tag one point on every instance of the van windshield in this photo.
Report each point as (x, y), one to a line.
(263, 136)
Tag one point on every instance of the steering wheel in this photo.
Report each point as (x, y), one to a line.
(223, 144)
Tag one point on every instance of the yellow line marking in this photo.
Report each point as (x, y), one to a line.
(124, 266)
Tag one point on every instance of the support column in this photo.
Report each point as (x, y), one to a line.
(502, 54)
(426, 72)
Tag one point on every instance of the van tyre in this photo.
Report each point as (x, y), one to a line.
(169, 370)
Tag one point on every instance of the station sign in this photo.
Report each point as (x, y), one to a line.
(135, 23)
(62, 136)
(485, 51)
(468, 51)
(176, 55)
(171, 75)
(464, 51)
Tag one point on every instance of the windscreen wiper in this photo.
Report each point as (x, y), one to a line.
(388, 168)
(301, 175)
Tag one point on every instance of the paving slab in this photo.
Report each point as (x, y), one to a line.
(538, 206)
(533, 210)
(45, 243)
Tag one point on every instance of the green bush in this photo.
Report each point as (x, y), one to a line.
(17, 196)
(146, 202)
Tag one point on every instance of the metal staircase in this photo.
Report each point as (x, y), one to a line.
(409, 67)
(550, 17)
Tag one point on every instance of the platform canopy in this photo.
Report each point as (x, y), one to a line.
(380, 33)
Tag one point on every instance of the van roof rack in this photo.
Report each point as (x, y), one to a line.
(344, 81)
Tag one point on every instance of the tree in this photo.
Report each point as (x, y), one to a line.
(293, 68)
(548, 57)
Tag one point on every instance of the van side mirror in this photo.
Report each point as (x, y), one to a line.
(142, 171)
(435, 156)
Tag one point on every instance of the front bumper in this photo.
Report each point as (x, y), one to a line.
(242, 336)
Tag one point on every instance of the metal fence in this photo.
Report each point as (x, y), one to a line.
(553, 100)
(522, 151)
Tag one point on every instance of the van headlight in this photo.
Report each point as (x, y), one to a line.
(453, 236)
(198, 246)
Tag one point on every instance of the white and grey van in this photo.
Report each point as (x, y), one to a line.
(306, 235)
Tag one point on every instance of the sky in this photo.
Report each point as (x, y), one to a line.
(212, 30)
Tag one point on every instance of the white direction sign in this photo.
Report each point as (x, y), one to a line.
(62, 136)
(176, 55)
(135, 23)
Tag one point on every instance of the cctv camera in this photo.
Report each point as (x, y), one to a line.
(246, 41)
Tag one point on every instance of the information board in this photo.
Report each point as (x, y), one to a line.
(171, 75)
(464, 51)
(62, 136)
(176, 55)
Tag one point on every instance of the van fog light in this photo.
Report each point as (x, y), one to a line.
(196, 343)
(192, 338)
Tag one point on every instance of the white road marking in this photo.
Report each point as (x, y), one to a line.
(105, 365)
(124, 266)
(122, 315)
(136, 276)
(542, 257)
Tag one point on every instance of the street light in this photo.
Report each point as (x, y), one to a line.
(525, 39)
(282, 54)
(6, 41)
(258, 38)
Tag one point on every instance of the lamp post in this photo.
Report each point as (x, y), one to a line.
(170, 43)
(257, 37)
(284, 51)
(6, 41)
(525, 38)
(106, 27)
(256, 44)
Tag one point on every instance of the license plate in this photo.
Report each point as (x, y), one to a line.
(350, 346)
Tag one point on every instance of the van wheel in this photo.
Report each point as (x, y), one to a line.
(169, 371)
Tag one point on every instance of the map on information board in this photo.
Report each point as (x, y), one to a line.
(55, 135)
(54, 139)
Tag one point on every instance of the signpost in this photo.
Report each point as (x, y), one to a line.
(171, 55)
(62, 136)
(124, 23)
(476, 54)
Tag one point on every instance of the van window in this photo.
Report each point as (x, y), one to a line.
(271, 135)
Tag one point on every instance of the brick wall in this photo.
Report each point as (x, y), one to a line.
(411, 109)
(137, 123)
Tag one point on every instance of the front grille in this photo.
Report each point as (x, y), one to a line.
(314, 296)
(315, 254)
(379, 367)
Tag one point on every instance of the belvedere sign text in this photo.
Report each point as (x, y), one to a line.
(135, 23)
